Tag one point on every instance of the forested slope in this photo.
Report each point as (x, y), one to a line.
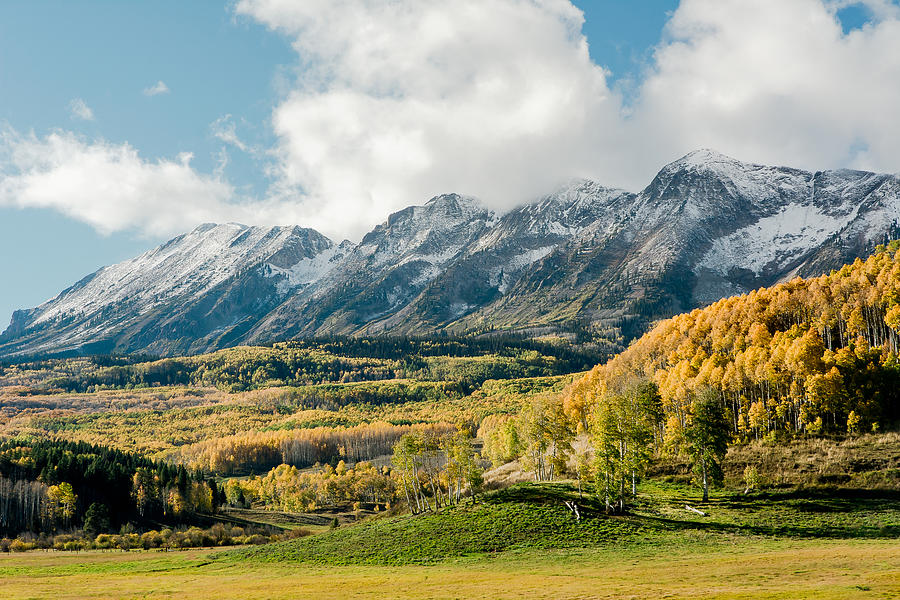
(808, 356)
(463, 362)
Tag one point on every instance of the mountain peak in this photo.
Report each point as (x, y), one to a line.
(207, 227)
(455, 203)
(700, 159)
(707, 226)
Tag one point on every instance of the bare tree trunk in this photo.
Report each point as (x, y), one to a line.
(705, 481)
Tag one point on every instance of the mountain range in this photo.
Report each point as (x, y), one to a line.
(584, 258)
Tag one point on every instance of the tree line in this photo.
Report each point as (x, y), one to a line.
(260, 451)
(53, 485)
(328, 360)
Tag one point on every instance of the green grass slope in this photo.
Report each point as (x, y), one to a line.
(525, 516)
(534, 516)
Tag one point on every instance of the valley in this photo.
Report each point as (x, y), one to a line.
(552, 299)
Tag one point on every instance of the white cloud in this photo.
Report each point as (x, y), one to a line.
(403, 100)
(110, 187)
(156, 89)
(397, 101)
(776, 81)
(80, 110)
(400, 100)
(224, 129)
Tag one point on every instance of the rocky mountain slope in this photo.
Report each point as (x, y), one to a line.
(200, 290)
(584, 257)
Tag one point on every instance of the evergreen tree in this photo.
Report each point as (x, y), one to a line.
(96, 519)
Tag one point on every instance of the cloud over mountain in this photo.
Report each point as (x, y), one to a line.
(396, 101)
(500, 99)
(112, 188)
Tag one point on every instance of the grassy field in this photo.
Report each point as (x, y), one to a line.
(697, 565)
(523, 542)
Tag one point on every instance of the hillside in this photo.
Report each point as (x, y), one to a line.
(337, 439)
(585, 261)
(535, 517)
(810, 356)
(233, 408)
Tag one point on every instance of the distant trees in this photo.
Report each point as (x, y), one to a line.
(287, 488)
(541, 435)
(500, 438)
(23, 505)
(546, 436)
(262, 450)
(467, 362)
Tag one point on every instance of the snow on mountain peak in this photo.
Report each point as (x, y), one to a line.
(192, 263)
(733, 225)
(455, 202)
(703, 158)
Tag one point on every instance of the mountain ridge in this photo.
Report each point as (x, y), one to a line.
(585, 257)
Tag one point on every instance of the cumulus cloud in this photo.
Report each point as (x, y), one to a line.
(400, 100)
(156, 89)
(80, 110)
(397, 101)
(776, 81)
(112, 188)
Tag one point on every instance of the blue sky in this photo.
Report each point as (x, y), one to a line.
(85, 70)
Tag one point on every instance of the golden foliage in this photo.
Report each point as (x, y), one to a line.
(797, 357)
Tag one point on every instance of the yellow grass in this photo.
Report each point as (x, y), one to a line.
(694, 568)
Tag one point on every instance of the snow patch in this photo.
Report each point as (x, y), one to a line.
(528, 257)
(502, 278)
(775, 241)
(307, 270)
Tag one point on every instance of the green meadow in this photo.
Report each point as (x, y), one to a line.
(525, 542)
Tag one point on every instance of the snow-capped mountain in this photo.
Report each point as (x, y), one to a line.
(707, 226)
(197, 291)
(384, 273)
(499, 256)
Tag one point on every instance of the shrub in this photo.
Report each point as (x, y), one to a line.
(751, 478)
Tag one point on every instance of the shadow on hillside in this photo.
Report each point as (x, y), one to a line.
(544, 494)
(809, 513)
(839, 514)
